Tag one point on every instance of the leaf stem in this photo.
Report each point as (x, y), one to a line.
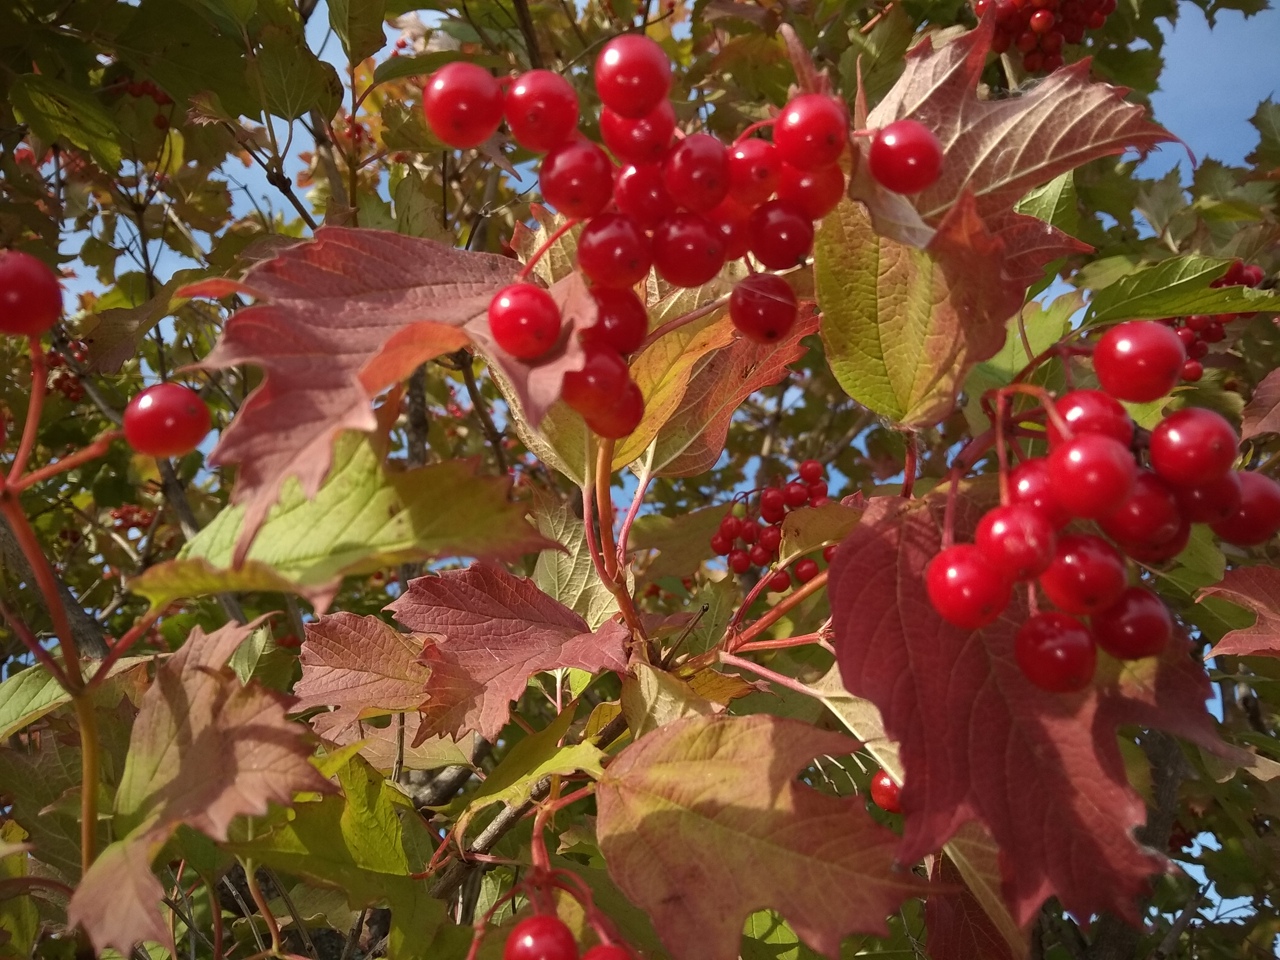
(642, 487)
(96, 449)
(546, 245)
(35, 406)
(604, 506)
(782, 680)
(801, 640)
(678, 322)
(90, 774)
(260, 901)
(32, 643)
(778, 611)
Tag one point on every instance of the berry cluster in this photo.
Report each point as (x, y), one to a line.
(681, 205)
(132, 517)
(1200, 330)
(749, 543)
(544, 937)
(1037, 29)
(1145, 511)
(62, 378)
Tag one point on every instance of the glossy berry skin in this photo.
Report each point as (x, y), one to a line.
(462, 104)
(610, 951)
(540, 937)
(166, 420)
(772, 511)
(1149, 515)
(796, 494)
(771, 538)
(1029, 484)
(541, 108)
(781, 235)
(644, 139)
(730, 526)
(1092, 411)
(632, 75)
(759, 555)
(688, 250)
(1137, 625)
(1086, 575)
(763, 307)
(774, 500)
(1139, 361)
(30, 295)
(613, 251)
(886, 794)
(1153, 553)
(1091, 474)
(905, 157)
(1257, 518)
(816, 192)
(620, 416)
(811, 471)
(965, 589)
(721, 544)
(697, 173)
(780, 582)
(749, 532)
(641, 194)
(730, 218)
(817, 491)
(621, 320)
(739, 561)
(1193, 446)
(1056, 652)
(754, 167)
(1210, 502)
(806, 570)
(811, 131)
(524, 320)
(1016, 540)
(599, 383)
(577, 179)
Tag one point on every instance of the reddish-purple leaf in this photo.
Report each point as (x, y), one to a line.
(1256, 589)
(1262, 413)
(957, 926)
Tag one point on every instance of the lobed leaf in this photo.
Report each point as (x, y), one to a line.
(1256, 589)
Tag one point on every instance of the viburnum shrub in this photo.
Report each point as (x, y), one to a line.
(692, 482)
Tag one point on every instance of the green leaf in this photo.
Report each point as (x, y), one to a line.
(358, 24)
(1266, 120)
(19, 918)
(567, 574)
(294, 80)
(58, 112)
(683, 542)
(395, 68)
(1176, 287)
(653, 698)
(27, 696)
(809, 528)
(1055, 203)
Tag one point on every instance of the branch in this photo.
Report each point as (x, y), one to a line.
(530, 36)
(491, 432)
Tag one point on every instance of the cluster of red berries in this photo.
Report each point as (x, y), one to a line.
(1200, 330)
(682, 205)
(749, 543)
(1038, 28)
(1092, 473)
(544, 937)
(132, 517)
(63, 379)
(147, 88)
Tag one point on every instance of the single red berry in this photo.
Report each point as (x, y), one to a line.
(620, 417)
(817, 490)
(774, 500)
(1210, 502)
(641, 194)
(1091, 474)
(1086, 575)
(633, 75)
(1056, 652)
(1214, 333)
(749, 532)
(1193, 446)
(697, 172)
(1149, 515)
(811, 471)
(621, 320)
(1151, 552)
(600, 381)
(885, 793)
(772, 512)
(30, 295)
(730, 526)
(1137, 625)
(806, 569)
(541, 108)
(1029, 484)
(524, 320)
(540, 937)
(754, 166)
(688, 250)
(828, 552)
(781, 234)
(1042, 21)
(763, 307)
(1016, 540)
(1197, 322)
(645, 139)
(760, 556)
(816, 192)
(166, 420)
(1092, 411)
(463, 104)
(739, 561)
(780, 581)
(1187, 336)
(577, 179)
(613, 251)
(1139, 361)
(1257, 518)
(771, 538)
(1192, 371)
(905, 157)
(797, 494)
(811, 131)
(731, 219)
(965, 589)
(607, 951)
(721, 544)
(1251, 275)
(1026, 42)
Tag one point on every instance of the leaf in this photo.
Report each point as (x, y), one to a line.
(27, 696)
(1256, 589)
(652, 699)
(36, 779)
(397, 68)
(957, 926)
(58, 112)
(1266, 120)
(19, 917)
(683, 543)
(1262, 413)
(1056, 203)
(112, 336)
(358, 24)
(807, 529)
(324, 338)
(489, 632)
(702, 823)
(969, 724)
(1172, 288)
(380, 746)
(294, 80)
(567, 575)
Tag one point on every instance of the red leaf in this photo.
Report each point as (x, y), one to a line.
(1262, 413)
(977, 739)
(1256, 589)
(489, 632)
(957, 926)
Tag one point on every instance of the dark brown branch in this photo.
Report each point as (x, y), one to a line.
(491, 432)
(530, 35)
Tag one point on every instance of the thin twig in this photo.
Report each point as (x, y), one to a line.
(680, 321)
(491, 433)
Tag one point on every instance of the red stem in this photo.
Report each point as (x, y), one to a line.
(632, 512)
(121, 646)
(538, 254)
(69, 462)
(30, 641)
(678, 322)
(779, 610)
(729, 660)
(35, 406)
(802, 640)
(758, 125)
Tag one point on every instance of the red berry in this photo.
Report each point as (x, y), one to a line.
(1056, 652)
(753, 171)
(540, 937)
(816, 192)
(774, 500)
(811, 471)
(739, 561)
(1187, 336)
(1192, 370)
(1210, 502)
(577, 179)
(1139, 361)
(965, 589)
(1092, 411)
(763, 307)
(30, 295)
(697, 172)
(632, 75)
(730, 526)
(1149, 515)
(1091, 474)
(730, 219)
(621, 320)
(721, 544)
(759, 555)
(885, 793)
(772, 512)
(1029, 484)
(613, 251)
(1016, 540)
(541, 109)
(1149, 552)
(797, 494)
(641, 194)
(905, 157)
(1086, 575)
(1193, 446)
(620, 417)
(1251, 275)
(524, 320)
(1213, 333)
(643, 139)
(611, 951)
(167, 420)
(771, 538)
(600, 381)
(828, 552)
(817, 490)
(463, 104)
(1042, 21)
(811, 131)
(1257, 518)
(1137, 625)
(688, 250)
(806, 569)
(749, 532)
(781, 235)
(780, 581)
(1197, 322)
